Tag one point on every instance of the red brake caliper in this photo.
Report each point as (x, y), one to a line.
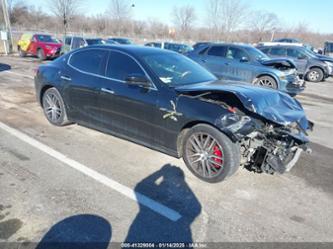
(217, 152)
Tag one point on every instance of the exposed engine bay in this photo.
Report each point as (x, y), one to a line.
(265, 146)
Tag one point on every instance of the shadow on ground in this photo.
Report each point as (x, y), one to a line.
(4, 67)
(168, 187)
(80, 231)
(317, 168)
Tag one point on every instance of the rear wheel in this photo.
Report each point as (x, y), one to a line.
(315, 75)
(209, 154)
(21, 52)
(41, 54)
(266, 81)
(54, 107)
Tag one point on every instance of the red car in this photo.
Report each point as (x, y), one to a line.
(40, 45)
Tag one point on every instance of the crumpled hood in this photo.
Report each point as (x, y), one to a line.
(325, 58)
(278, 61)
(273, 105)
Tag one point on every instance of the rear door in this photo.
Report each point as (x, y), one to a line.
(81, 80)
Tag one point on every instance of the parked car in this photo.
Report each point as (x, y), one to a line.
(167, 102)
(240, 62)
(155, 44)
(311, 66)
(288, 40)
(75, 42)
(199, 44)
(41, 45)
(328, 49)
(119, 40)
(178, 47)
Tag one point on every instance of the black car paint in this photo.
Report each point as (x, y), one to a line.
(133, 113)
(155, 117)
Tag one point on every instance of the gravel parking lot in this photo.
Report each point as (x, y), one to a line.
(118, 191)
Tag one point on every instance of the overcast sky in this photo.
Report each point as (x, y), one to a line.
(317, 14)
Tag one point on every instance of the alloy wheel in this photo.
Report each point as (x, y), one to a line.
(265, 82)
(205, 155)
(313, 76)
(52, 107)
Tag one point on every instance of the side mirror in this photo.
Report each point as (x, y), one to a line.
(244, 59)
(138, 80)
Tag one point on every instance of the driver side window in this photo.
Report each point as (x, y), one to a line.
(121, 65)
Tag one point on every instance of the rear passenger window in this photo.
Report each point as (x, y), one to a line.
(217, 51)
(89, 61)
(121, 65)
(278, 51)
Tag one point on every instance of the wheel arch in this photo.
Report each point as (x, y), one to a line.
(187, 127)
(42, 91)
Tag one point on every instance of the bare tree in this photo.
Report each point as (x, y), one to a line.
(263, 23)
(65, 10)
(183, 18)
(120, 14)
(226, 16)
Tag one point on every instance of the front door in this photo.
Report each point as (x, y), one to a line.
(129, 110)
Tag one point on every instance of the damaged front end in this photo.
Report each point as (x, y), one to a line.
(269, 126)
(265, 147)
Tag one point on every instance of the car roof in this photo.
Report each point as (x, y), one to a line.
(242, 45)
(135, 50)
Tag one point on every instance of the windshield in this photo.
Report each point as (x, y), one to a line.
(174, 69)
(46, 38)
(257, 54)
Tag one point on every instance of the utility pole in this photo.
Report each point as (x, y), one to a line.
(7, 25)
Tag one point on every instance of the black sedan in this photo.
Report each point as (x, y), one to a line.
(167, 102)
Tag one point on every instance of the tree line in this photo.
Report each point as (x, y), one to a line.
(226, 20)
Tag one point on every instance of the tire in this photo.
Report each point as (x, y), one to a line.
(21, 52)
(315, 75)
(54, 107)
(41, 54)
(219, 159)
(266, 81)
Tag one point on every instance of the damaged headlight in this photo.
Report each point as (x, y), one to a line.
(238, 125)
(235, 122)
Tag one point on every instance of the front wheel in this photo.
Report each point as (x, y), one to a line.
(315, 75)
(266, 81)
(54, 107)
(209, 154)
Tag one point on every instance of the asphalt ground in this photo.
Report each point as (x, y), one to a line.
(77, 184)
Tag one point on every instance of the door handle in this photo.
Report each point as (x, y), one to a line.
(106, 90)
(65, 78)
(204, 61)
(227, 63)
